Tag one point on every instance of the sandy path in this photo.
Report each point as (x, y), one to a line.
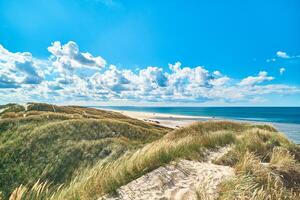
(178, 181)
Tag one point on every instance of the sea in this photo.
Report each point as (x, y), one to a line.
(285, 119)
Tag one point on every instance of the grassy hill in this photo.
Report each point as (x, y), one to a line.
(93, 152)
(48, 142)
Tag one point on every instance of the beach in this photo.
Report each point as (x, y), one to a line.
(177, 121)
(167, 120)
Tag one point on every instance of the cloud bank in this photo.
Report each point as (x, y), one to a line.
(69, 75)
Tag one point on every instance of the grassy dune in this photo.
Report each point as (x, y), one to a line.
(92, 153)
(267, 167)
(52, 145)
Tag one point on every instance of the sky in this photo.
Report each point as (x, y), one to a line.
(162, 53)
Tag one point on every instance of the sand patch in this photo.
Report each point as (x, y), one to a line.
(178, 181)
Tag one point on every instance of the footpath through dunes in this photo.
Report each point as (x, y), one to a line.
(54, 143)
(247, 165)
(185, 179)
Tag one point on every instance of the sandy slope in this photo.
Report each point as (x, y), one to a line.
(179, 180)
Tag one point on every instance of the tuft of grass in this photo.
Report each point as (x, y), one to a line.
(285, 165)
(260, 142)
(40, 190)
(255, 181)
(202, 191)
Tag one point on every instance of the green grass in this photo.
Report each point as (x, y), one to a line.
(70, 152)
(44, 145)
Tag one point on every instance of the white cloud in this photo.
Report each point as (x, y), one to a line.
(111, 80)
(18, 68)
(281, 70)
(282, 54)
(252, 80)
(68, 57)
(29, 79)
(217, 73)
(219, 81)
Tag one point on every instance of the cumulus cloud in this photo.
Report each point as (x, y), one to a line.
(111, 80)
(282, 54)
(68, 57)
(18, 68)
(252, 80)
(63, 78)
(281, 70)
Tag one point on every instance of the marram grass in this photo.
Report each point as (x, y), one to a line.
(101, 151)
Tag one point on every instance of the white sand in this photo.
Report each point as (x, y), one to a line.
(168, 120)
(179, 181)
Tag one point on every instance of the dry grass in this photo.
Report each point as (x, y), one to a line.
(257, 181)
(260, 142)
(107, 177)
(202, 191)
(55, 145)
(191, 143)
(151, 148)
(285, 165)
(40, 190)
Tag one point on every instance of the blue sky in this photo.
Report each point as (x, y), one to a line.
(231, 52)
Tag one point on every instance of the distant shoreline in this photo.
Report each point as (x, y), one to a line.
(167, 120)
(178, 121)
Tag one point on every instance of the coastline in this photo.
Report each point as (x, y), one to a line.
(167, 120)
(177, 121)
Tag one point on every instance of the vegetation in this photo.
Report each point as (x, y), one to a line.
(70, 152)
(54, 145)
(256, 181)
(266, 165)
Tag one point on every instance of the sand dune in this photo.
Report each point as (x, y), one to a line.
(178, 181)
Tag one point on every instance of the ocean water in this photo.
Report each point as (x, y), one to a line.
(285, 119)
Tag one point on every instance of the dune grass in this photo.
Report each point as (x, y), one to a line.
(69, 152)
(107, 177)
(261, 143)
(266, 167)
(191, 143)
(256, 181)
(55, 146)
